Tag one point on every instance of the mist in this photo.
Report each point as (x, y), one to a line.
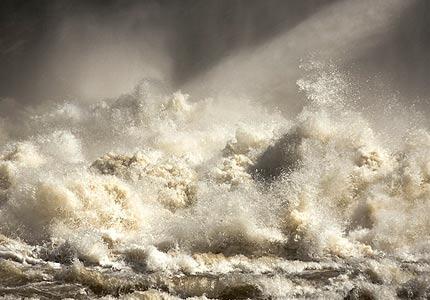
(239, 149)
(91, 50)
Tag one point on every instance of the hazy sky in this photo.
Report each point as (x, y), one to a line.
(92, 49)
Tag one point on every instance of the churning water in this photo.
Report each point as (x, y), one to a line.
(156, 195)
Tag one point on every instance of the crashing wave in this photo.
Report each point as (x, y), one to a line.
(205, 198)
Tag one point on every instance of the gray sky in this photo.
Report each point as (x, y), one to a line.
(92, 49)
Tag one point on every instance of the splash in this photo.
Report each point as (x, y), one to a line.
(156, 194)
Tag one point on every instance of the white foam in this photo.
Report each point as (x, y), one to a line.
(161, 181)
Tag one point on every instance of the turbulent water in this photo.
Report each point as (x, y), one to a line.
(157, 195)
